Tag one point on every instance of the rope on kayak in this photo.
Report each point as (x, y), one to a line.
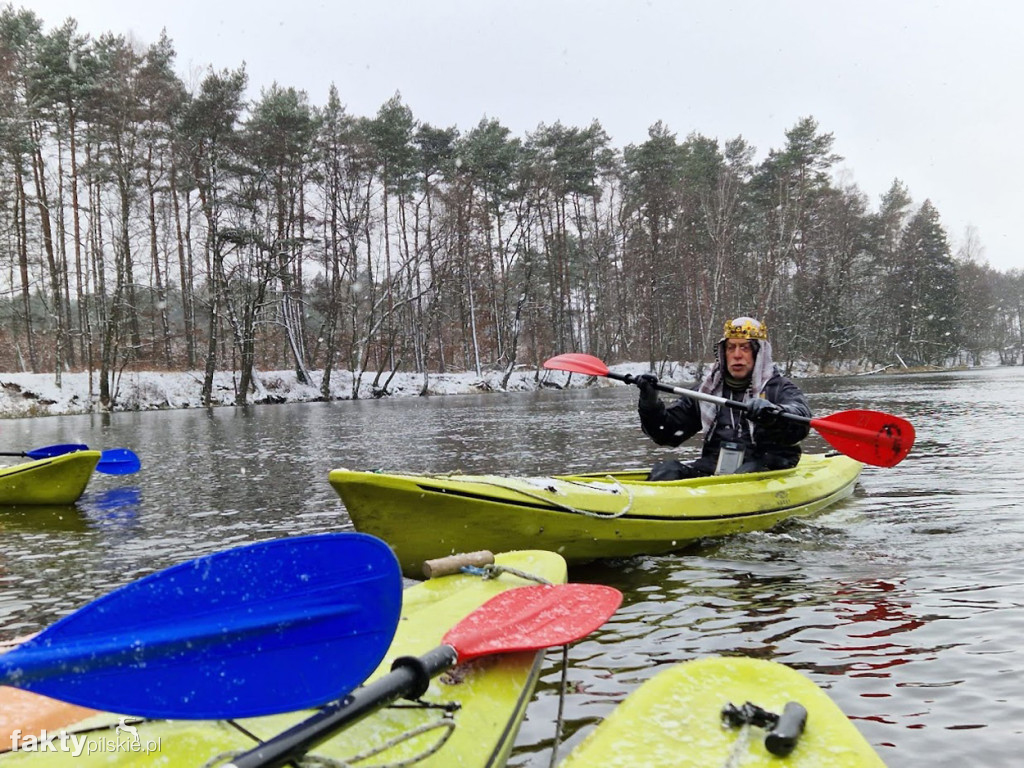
(447, 723)
(494, 570)
(739, 748)
(562, 687)
(316, 761)
(620, 488)
(222, 757)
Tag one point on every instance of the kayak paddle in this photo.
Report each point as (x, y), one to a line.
(118, 461)
(114, 461)
(49, 451)
(871, 437)
(520, 619)
(259, 629)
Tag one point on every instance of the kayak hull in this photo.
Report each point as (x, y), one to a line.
(582, 517)
(53, 481)
(674, 720)
(492, 693)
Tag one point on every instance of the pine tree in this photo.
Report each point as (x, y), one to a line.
(929, 324)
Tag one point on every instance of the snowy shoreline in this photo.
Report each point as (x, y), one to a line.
(24, 395)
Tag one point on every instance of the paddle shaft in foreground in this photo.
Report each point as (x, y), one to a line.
(520, 619)
(871, 437)
(409, 678)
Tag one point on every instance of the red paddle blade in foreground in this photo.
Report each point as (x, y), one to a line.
(521, 619)
(531, 618)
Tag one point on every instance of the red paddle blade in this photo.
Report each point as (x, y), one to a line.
(531, 618)
(871, 437)
(577, 362)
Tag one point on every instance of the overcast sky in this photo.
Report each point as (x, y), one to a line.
(927, 92)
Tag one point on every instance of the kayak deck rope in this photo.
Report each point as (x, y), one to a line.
(563, 686)
(446, 722)
(619, 488)
(494, 570)
(312, 760)
(739, 748)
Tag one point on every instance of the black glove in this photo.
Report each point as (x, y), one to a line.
(648, 384)
(761, 411)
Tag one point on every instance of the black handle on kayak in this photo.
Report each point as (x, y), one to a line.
(782, 738)
(409, 678)
(781, 731)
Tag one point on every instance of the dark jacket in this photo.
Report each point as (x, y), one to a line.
(772, 446)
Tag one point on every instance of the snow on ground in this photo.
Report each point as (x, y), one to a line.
(37, 394)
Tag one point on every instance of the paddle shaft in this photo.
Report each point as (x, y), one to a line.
(408, 678)
(695, 395)
(872, 437)
(883, 447)
(50, 451)
(821, 425)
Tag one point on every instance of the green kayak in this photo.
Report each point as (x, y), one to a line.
(582, 517)
(470, 717)
(723, 711)
(53, 481)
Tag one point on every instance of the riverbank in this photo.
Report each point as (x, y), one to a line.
(25, 395)
(37, 394)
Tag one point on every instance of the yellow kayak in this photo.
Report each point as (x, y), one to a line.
(726, 711)
(473, 716)
(582, 517)
(54, 481)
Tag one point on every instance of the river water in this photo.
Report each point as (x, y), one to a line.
(905, 601)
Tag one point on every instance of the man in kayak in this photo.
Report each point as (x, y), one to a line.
(735, 440)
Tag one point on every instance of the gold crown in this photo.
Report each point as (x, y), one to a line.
(746, 328)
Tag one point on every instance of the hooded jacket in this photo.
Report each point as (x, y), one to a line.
(772, 446)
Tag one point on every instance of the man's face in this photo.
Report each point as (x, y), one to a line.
(739, 357)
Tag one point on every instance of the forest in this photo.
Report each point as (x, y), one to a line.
(150, 224)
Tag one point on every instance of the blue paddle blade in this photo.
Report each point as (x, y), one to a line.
(49, 451)
(266, 628)
(118, 461)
